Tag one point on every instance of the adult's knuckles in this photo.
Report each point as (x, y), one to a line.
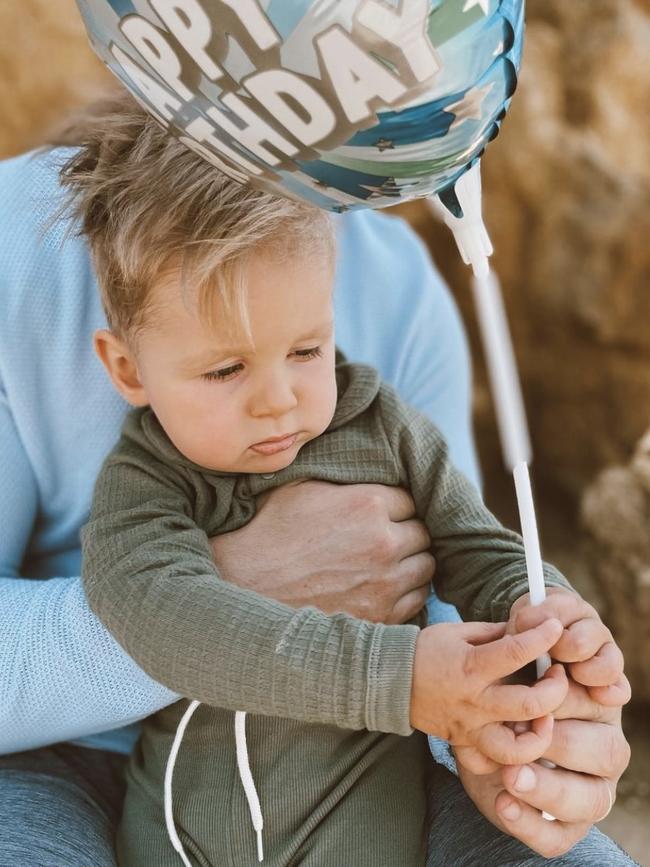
(385, 547)
(583, 641)
(618, 754)
(600, 801)
(555, 846)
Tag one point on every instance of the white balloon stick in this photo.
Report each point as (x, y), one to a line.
(513, 429)
(502, 370)
(475, 248)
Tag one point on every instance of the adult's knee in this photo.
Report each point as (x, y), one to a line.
(50, 822)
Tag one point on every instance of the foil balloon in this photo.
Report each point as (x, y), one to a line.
(344, 103)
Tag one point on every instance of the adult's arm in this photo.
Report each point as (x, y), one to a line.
(63, 674)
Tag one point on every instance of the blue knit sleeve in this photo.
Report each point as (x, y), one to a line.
(63, 675)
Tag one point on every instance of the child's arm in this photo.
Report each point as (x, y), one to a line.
(480, 565)
(149, 576)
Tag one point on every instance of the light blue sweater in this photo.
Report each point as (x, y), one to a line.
(62, 676)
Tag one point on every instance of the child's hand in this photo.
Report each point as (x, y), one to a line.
(585, 645)
(457, 696)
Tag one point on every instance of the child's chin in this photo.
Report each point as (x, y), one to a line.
(275, 463)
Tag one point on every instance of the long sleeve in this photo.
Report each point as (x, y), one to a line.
(481, 567)
(394, 312)
(63, 675)
(150, 578)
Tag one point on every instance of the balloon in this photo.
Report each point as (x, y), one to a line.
(344, 103)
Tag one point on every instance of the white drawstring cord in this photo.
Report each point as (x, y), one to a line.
(244, 774)
(169, 773)
(247, 780)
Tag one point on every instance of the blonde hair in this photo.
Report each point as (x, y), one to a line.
(148, 204)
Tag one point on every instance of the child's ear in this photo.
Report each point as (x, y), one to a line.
(118, 360)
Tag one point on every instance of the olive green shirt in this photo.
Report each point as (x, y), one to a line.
(149, 575)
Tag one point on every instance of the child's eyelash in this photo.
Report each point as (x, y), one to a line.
(224, 373)
(227, 372)
(313, 352)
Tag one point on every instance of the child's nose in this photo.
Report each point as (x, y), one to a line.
(275, 397)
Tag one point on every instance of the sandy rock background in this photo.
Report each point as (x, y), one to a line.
(567, 202)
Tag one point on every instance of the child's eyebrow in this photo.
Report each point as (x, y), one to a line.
(213, 355)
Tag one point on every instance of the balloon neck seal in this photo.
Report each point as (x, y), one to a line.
(460, 207)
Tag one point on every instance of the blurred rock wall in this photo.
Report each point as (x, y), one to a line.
(567, 202)
(46, 68)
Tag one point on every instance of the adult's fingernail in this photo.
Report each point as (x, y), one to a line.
(526, 780)
(511, 811)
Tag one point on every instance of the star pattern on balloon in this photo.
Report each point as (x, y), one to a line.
(470, 107)
(484, 4)
(422, 136)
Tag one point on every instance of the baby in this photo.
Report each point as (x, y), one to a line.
(221, 336)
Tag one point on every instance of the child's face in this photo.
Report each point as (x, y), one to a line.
(229, 404)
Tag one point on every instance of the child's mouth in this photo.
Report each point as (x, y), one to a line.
(275, 445)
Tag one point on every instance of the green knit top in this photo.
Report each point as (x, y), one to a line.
(149, 574)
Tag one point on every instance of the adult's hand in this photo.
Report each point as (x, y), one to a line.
(591, 752)
(353, 548)
(586, 645)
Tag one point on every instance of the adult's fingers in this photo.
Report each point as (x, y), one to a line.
(501, 658)
(567, 607)
(397, 501)
(549, 839)
(579, 704)
(582, 640)
(615, 695)
(502, 744)
(584, 632)
(516, 702)
(590, 748)
(475, 761)
(410, 537)
(568, 796)
(602, 669)
(409, 605)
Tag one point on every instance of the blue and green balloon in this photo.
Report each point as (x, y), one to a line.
(344, 103)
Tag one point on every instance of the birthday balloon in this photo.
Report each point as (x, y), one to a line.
(344, 103)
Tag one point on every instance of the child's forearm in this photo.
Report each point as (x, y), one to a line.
(150, 578)
(480, 565)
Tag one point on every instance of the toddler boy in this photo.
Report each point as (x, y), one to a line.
(219, 306)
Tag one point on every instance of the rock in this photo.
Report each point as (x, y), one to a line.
(567, 194)
(615, 514)
(47, 69)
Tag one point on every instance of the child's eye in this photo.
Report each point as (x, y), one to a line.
(313, 352)
(223, 374)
